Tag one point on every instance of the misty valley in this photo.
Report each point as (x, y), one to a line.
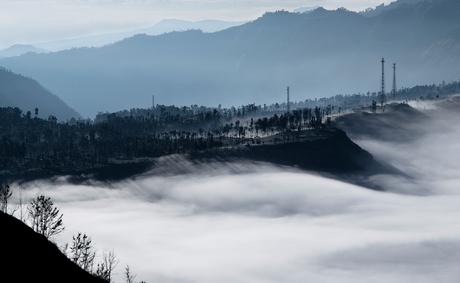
(282, 149)
(240, 188)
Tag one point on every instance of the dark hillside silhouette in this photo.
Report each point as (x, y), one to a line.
(28, 94)
(30, 257)
(320, 53)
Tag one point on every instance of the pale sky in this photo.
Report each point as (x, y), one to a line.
(32, 21)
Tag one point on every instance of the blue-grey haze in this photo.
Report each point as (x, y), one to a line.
(321, 53)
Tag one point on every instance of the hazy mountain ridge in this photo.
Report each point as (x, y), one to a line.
(27, 94)
(164, 26)
(371, 12)
(305, 9)
(255, 62)
(19, 49)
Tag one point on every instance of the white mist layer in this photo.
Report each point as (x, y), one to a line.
(278, 225)
(264, 227)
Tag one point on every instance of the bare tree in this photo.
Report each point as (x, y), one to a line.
(111, 261)
(5, 194)
(128, 276)
(108, 264)
(83, 252)
(102, 272)
(45, 218)
(22, 207)
(64, 249)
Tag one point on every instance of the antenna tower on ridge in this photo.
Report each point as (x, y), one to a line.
(383, 84)
(287, 99)
(394, 81)
(153, 101)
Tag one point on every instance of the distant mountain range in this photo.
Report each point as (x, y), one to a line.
(161, 27)
(320, 53)
(370, 12)
(19, 49)
(305, 9)
(27, 94)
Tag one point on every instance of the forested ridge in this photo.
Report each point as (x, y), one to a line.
(30, 145)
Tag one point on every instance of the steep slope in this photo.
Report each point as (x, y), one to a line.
(27, 94)
(320, 53)
(30, 257)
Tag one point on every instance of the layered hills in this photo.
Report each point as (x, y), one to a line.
(27, 94)
(164, 26)
(319, 53)
(19, 49)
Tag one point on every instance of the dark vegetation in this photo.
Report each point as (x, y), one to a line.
(325, 150)
(119, 145)
(33, 145)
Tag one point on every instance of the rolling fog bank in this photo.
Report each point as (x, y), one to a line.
(256, 222)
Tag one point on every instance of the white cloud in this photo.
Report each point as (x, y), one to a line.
(246, 222)
(258, 227)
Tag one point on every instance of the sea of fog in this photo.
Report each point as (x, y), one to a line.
(267, 223)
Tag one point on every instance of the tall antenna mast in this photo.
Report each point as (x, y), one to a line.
(153, 101)
(394, 81)
(383, 83)
(288, 100)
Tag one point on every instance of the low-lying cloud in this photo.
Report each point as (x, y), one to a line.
(254, 222)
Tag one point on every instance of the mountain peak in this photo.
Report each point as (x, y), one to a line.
(305, 9)
(19, 49)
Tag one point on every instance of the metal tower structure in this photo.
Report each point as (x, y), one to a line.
(153, 101)
(287, 99)
(382, 94)
(394, 81)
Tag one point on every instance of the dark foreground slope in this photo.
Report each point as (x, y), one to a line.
(30, 257)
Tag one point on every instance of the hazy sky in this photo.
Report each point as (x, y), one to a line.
(30, 21)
